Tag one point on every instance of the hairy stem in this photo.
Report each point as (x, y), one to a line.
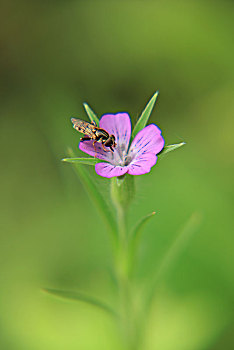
(128, 320)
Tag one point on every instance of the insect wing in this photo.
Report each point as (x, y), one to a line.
(83, 127)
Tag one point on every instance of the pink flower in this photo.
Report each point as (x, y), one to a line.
(134, 160)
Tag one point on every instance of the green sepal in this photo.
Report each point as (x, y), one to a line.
(170, 148)
(95, 194)
(87, 161)
(142, 121)
(77, 296)
(122, 190)
(92, 116)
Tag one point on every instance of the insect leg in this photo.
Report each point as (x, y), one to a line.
(95, 148)
(85, 138)
(104, 147)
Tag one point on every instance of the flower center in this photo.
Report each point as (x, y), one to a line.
(128, 159)
(121, 157)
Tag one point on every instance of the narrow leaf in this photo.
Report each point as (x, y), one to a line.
(95, 194)
(180, 243)
(92, 116)
(134, 239)
(142, 121)
(139, 227)
(87, 161)
(170, 148)
(76, 296)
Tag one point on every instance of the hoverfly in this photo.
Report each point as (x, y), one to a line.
(93, 132)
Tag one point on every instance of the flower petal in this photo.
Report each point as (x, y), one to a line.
(87, 147)
(109, 170)
(142, 164)
(148, 140)
(120, 126)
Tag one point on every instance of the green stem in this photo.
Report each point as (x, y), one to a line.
(126, 305)
(127, 322)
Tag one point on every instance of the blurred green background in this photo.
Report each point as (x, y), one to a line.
(55, 55)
